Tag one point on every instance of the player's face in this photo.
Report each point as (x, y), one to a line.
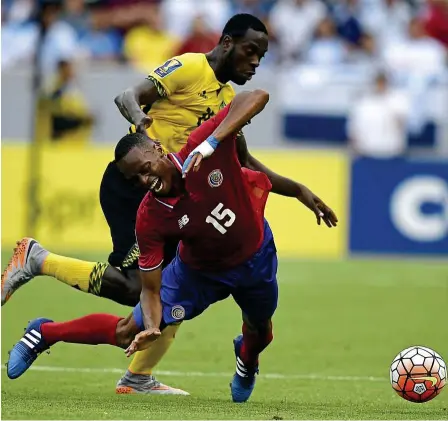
(245, 54)
(150, 168)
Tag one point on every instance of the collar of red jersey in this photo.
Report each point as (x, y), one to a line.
(170, 202)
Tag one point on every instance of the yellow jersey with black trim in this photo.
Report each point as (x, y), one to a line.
(189, 95)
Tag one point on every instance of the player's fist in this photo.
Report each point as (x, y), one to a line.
(142, 341)
(143, 124)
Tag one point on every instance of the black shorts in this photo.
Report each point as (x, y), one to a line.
(120, 200)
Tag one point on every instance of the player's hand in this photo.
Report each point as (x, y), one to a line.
(142, 341)
(193, 161)
(195, 157)
(320, 209)
(325, 212)
(143, 124)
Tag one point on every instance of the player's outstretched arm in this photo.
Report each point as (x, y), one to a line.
(280, 185)
(287, 187)
(242, 109)
(130, 101)
(150, 298)
(151, 311)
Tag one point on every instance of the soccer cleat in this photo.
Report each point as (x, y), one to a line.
(243, 381)
(25, 352)
(145, 384)
(23, 266)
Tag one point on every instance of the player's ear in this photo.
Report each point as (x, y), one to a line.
(227, 43)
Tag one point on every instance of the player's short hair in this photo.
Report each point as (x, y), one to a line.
(126, 143)
(238, 25)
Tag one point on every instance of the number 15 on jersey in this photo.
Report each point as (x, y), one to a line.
(220, 214)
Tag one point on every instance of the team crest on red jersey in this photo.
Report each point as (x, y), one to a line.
(215, 178)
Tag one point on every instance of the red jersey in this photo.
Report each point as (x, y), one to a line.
(220, 218)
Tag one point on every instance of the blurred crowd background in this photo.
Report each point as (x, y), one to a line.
(389, 55)
(397, 33)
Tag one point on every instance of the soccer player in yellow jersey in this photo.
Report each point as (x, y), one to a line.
(173, 100)
(194, 98)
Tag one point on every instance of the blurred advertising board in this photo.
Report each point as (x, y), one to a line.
(70, 217)
(399, 207)
(295, 229)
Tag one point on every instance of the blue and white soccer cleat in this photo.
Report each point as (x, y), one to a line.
(25, 352)
(243, 381)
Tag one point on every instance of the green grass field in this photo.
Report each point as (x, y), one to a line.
(337, 329)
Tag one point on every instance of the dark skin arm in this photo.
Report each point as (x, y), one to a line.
(244, 107)
(287, 187)
(130, 101)
(151, 309)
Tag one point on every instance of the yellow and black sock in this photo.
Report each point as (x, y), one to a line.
(145, 361)
(86, 276)
(131, 258)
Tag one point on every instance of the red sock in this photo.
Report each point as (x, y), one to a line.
(254, 342)
(93, 329)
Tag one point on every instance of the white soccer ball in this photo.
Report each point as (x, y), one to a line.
(418, 374)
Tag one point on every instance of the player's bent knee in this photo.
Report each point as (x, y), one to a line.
(134, 291)
(120, 287)
(134, 286)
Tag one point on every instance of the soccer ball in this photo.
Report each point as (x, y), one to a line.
(418, 374)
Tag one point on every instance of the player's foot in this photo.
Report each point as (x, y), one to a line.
(243, 381)
(25, 352)
(23, 266)
(145, 384)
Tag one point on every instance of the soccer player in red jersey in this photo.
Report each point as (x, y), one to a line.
(203, 196)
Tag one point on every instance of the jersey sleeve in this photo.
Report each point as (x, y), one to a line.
(149, 239)
(175, 74)
(202, 132)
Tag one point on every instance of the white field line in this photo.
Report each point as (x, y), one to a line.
(270, 376)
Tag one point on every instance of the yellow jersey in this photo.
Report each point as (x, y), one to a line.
(190, 94)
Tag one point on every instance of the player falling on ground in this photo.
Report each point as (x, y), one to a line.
(180, 95)
(226, 248)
